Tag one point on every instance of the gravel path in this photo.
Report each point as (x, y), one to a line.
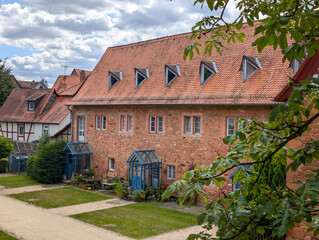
(7, 174)
(89, 207)
(33, 188)
(33, 223)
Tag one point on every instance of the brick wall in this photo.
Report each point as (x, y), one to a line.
(172, 146)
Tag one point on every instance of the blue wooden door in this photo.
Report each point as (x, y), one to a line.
(136, 178)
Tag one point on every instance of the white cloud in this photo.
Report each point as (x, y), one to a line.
(76, 33)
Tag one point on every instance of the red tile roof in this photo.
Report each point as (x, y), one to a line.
(225, 87)
(15, 108)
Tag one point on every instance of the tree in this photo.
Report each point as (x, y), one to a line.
(293, 26)
(5, 147)
(6, 82)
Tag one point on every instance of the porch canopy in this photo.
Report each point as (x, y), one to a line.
(78, 158)
(20, 154)
(144, 169)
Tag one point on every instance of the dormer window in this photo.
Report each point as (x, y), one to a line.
(171, 72)
(294, 64)
(30, 106)
(248, 67)
(140, 75)
(207, 70)
(115, 77)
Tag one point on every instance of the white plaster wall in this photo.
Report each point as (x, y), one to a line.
(36, 130)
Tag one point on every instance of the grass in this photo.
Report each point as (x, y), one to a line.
(138, 220)
(4, 236)
(58, 197)
(17, 181)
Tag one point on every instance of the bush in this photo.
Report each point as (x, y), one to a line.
(3, 165)
(49, 163)
(31, 166)
(5, 147)
(121, 190)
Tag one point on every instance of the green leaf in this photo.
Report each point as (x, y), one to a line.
(250, 22)
(283, 20)
(265, 139)
(201, 218)
(305, 25)
(273, 115)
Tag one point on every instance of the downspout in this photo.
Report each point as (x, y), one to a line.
(71, 118)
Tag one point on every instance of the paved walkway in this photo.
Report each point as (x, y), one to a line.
(33, 223)
(89, 207)
(28, 222)
(8, 191)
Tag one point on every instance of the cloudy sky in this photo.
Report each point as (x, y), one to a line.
(40, 37)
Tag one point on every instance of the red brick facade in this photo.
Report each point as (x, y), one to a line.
(174, 147)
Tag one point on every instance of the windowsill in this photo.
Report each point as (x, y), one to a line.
(112, 170)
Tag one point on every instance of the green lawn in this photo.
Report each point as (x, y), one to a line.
(138, 220)
(17, 181)
(58, 197)
(4, 236)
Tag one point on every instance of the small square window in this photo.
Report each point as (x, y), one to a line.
(170, 172)
(21, 130)
(97, 122)
(103, 122)
(31, 106)
(230, 126)
(111, 164)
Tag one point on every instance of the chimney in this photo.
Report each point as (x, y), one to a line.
(82, 76)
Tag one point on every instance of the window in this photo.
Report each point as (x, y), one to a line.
(192, 125)
(140, 75)
(21, 130)
(129, 123)
(103, 123)
(152, 124)
(46, 129)
(230, 126)
(170, 172)
(188, 125)
(196, 125)
(115, 77)
(123, 118)
(159, 124)
(81, 128)
(31, 106)
(208, 69)
(126, 123)
(156, 124)
(97, 122)
(248, 67)
(111, 164)
(171, 71)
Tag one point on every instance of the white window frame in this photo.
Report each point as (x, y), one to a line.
(112, 75)
(97, 122)
(171, 172)
(31, 104)
(244, 70)
(188, 129)
(136, 78)
(194, 125)
(103, 123)
(129, 123)
(166, 74)
(227, 125)
(111, 168)
(152, 124)
(202, 80)
(158, 125)
(21, 126)
(46, 129)
(123, 125)
(81, 128)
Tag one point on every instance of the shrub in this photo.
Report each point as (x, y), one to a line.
(48, 164)
(31, 166)
(5, 147)
(3, 165)
(139, 196)
(121, 190)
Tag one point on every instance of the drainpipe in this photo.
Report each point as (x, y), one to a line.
(71, 118)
